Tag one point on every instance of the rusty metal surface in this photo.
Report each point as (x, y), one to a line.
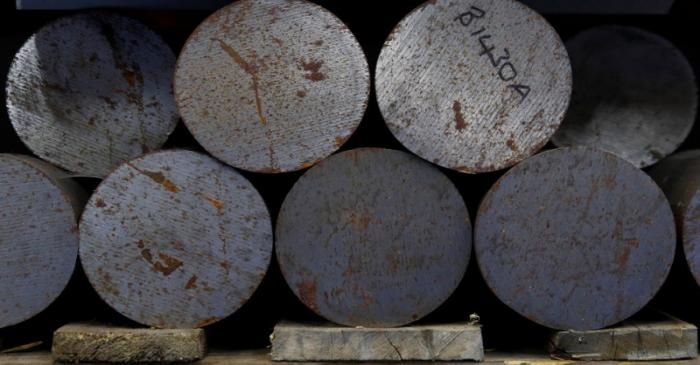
(575, 238)
(473, 86)
(679, 177)
(373, 237)
(175, 239)
(90, 91)
(272, 85)
(38, 236)
(634, 94)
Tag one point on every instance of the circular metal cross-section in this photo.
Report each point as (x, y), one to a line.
(90, 91)
(38, 236)
(373, 237)
(175, 239)
(473, 86)
(634, 94)
(272, 85)
(679, 177)
(575, 238)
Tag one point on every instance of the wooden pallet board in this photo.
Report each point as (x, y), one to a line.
(262, 357)
(102, 343)
(328, 342)
(660, 339)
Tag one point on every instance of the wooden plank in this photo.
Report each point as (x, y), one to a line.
(262, 357)
(326, 342)
(668, 339)
(90, 342)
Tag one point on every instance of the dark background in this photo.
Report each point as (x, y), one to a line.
(503, 329)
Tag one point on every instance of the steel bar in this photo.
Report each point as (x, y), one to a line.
(90, 91)
(175, 239)
(679, 177)
(38, 235)
(373, 237)
(634, 94)
(473, 86)
(272, 86)
(575, 238)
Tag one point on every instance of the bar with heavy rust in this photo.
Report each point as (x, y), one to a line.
(272, 86)
(38, 235)
(679, 177)
(90, 91)
(175, 239)
(634, 94)
(473, 86)
(373, 237)
(575, 238)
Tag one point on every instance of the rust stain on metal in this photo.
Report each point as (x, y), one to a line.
(349, 271)
(362, 220)
(206, 322)
(459, 118)
(626, 251)
(307, 164)
(218, 204)
(192, 283)
(394, 263)
(130, 76)
(313, 68)
(307, 292)
(251, 70)
(339, 140)
(146, 254)
(166, 263)
(158, 177)
(511, 144)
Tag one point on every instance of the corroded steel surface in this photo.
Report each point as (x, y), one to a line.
(373, 237)
(679, 177)
(473, 86)
(575, 238)
(90, 91)
(634, 94)
(272, 85)
(38, 236)
(175, 239)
